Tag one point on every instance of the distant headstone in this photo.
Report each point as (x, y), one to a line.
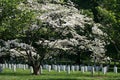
(16, 65)
(24, 68)
(82, 69)
(19, 65)
(89, 68)
(55, 67)
(49, 68)
(3, 66)
(97, 68)
(68, 69)
(10, 66)
(77, 68)
(58, 68)
(31, 69)
(41, 70)
(14, 68)
(73, 68)
(61, 67)
(6, 65)
(115, 69)
(104, 70)
(92, 70)
(85, 69)
(64, 67)
(46, 66)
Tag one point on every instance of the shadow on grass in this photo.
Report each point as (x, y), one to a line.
(70, 75)
(48, 74)
(14, 74)
(65, 76)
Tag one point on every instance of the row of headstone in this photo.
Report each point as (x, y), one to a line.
(59, 68)
(83, 69)
(65, 67)
(14, 66)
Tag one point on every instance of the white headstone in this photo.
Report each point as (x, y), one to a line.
(3, 66)
(101, 66)
(64, 67)
(18, 65)
(115, 69)
(24, 67)
(49, 68)
(21, 66)
(55, 67)
(46, 67)
(10, 66)
(92, 70)
(58, 68)
(68, 69)
(97, 68)
(14, 68)
(61, 67)
(89, 68)
(82, 69)
(85, 69)
(43, 67)
(6, 65)
(41, 70)
(31, 69)
(73, 68)
(77, 68)
(104, 70)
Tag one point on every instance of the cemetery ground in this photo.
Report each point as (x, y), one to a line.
(21, 74)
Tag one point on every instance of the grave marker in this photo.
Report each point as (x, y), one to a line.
(73, 68)
(58, 68)
(82, 69)
(68, 69)
(115, 69)
(31, 69)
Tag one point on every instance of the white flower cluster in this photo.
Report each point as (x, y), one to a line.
(15, 48)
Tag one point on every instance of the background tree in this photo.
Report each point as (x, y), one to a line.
(109, 17)
(105, 12)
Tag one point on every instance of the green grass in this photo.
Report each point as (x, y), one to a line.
(53, 75)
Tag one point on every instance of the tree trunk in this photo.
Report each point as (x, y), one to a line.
(36, 70)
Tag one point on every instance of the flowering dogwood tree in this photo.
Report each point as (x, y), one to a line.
(56, 27)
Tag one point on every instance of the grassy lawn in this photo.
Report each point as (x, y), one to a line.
(53, 75)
